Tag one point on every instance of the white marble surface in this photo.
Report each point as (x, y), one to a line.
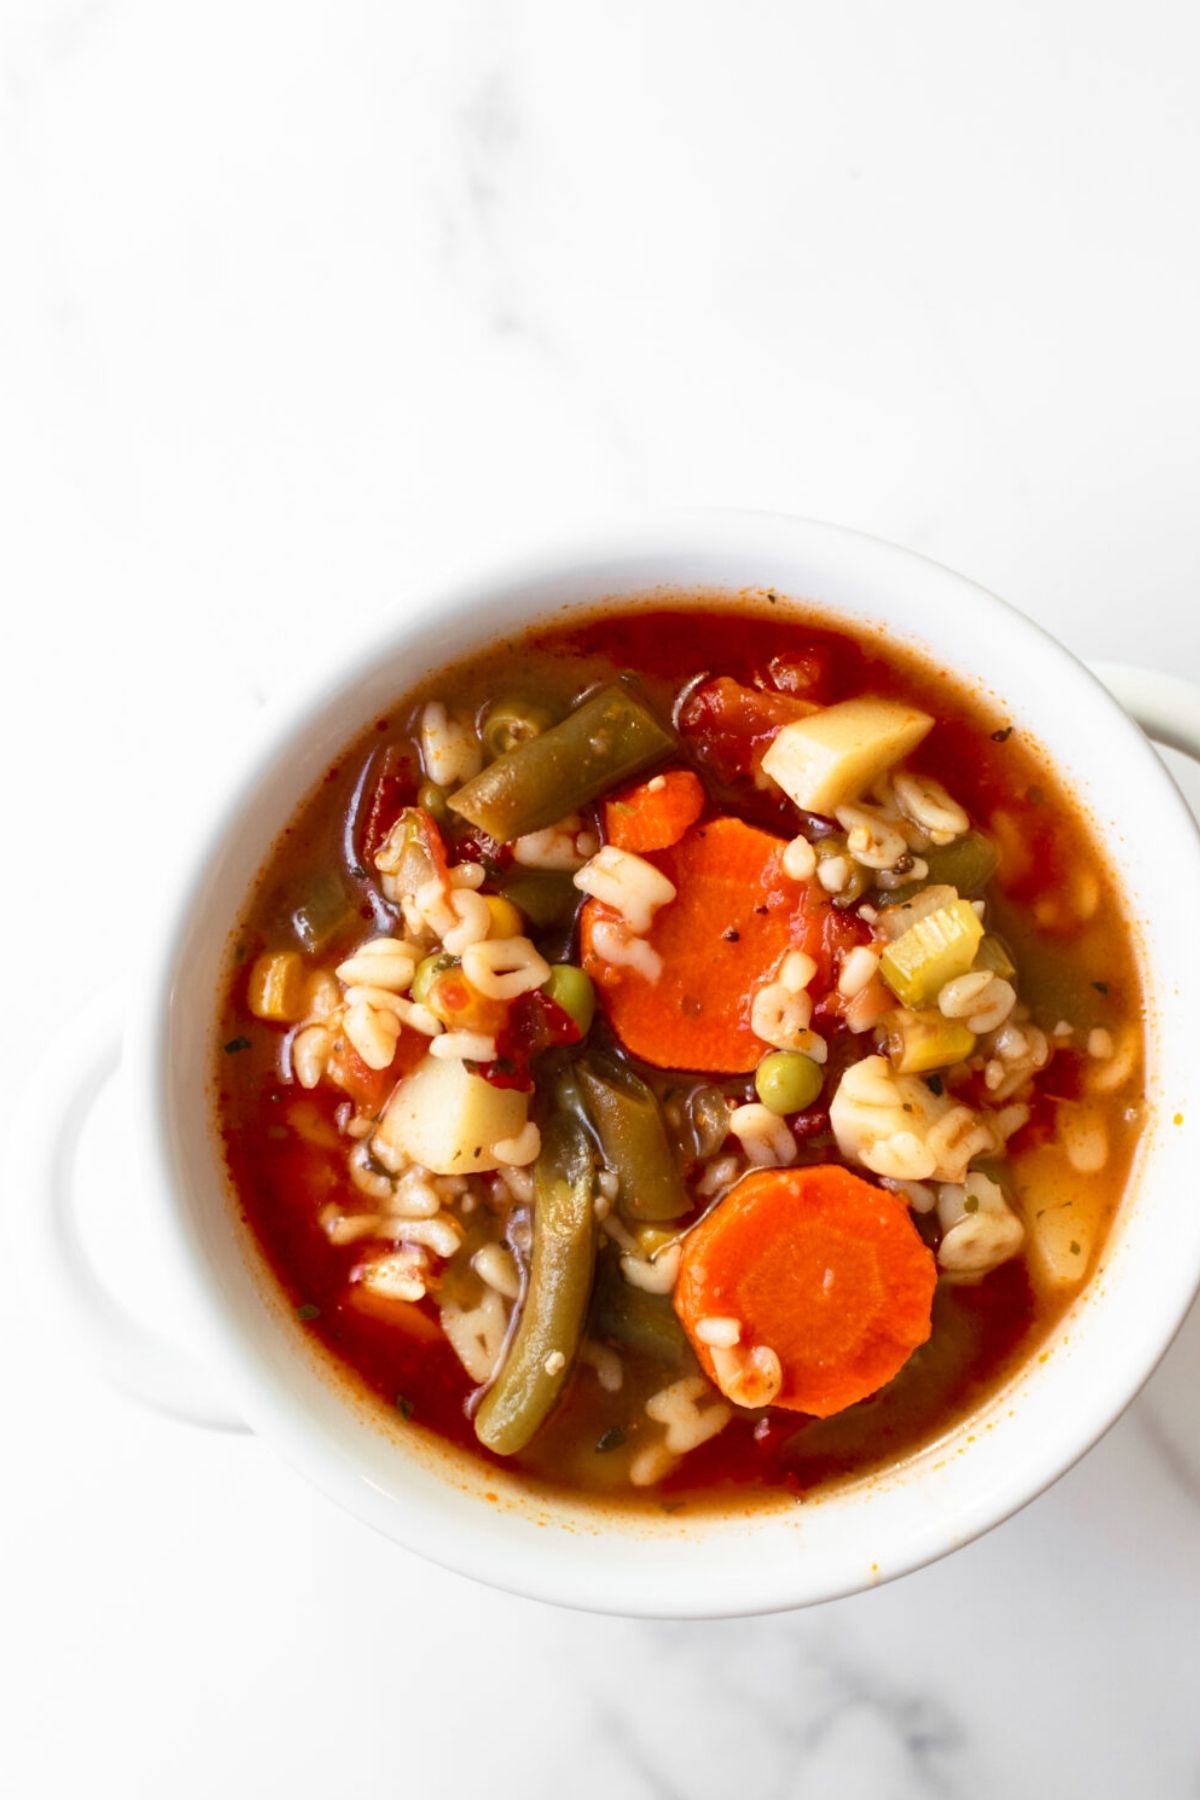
(293, 297)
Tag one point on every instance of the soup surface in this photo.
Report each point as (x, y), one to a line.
(683, 1051)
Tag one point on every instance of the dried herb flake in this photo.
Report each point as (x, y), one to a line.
(236, 1044)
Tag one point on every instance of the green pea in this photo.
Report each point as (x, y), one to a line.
(571, 988)
(433, 799)
(514, 721)
(428, 970)
(787, 1082)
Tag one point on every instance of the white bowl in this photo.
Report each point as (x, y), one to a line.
(477, 1520)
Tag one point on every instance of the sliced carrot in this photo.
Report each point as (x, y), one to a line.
(367, 1087)
(823, 1268)
(735, 915)
(656, 813)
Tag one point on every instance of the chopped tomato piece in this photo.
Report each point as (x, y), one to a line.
(731, 725)
(393, 788)
(367, 1087)
(535, 1023)
(802, 673)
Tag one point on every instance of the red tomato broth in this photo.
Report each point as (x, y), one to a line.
(981, 1333)
(274, 1176)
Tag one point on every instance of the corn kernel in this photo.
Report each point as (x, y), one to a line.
(278, 987)
(506, 921)
(652, 1238)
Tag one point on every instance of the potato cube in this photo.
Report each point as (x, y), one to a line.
(449, 1119)
(1062, 1211)
(832, 757)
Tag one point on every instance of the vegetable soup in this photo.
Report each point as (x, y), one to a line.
(684, 1053)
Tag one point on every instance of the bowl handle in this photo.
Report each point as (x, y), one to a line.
(61, 1095)
(1167, 707)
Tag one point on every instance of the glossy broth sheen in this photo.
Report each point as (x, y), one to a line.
(287, 1157)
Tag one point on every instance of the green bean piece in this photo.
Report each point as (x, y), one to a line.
(514, 721)
(546, 896)
(325, 910)
(787, 1081)
(610, 737)
(645, 1323)
(571, 988)
(1055, 987)
(633, 1133)
(967, 864)
(708, 1116)
(568, 1098)
(433, 799)
(543, 1347)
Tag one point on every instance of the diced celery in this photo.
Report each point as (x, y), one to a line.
(920, 1041)
(932, 952)
(893, 921)
(992, 954)
(325, 911)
